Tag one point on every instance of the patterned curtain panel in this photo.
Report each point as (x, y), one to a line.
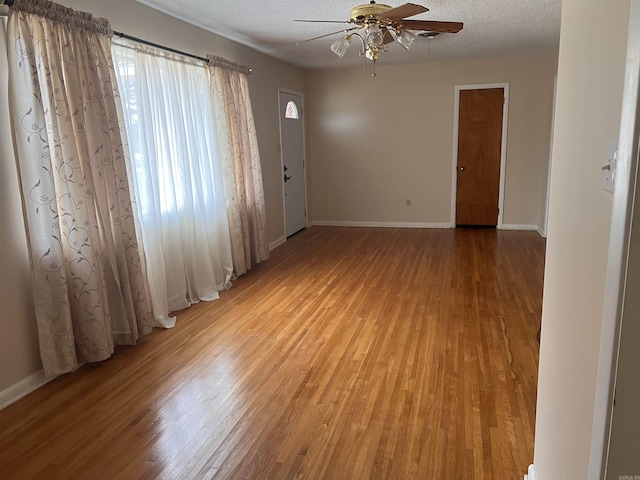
(90, 289)
(241, 164)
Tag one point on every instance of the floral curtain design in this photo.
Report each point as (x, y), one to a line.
(241, 164)
(90, 287)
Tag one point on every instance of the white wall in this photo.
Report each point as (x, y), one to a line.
(590, 81)
(18, 342)
(375, 142)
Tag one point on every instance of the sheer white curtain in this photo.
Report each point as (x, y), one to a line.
(89, 282)
(177, 175)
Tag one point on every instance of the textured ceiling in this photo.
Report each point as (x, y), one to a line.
(491, 28)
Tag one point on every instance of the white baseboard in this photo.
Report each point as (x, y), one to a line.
(531, 473)
(526, 228)
(515, 226)
(341, 223)
(277, 242)
(23, 388)
(346, 223)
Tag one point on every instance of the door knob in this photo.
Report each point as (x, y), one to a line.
(461, 169)
(286, 177)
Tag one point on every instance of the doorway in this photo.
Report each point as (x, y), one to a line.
(291, 111)
(480, 134)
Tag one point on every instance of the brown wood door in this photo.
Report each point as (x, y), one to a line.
(479, 147)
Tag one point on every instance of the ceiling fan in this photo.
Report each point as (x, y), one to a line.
(377, 25)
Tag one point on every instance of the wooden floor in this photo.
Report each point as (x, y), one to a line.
(351, 354)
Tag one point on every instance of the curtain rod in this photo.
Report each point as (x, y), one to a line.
(210, 60)
(157, 45)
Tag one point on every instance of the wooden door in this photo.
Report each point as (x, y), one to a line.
(479, 155)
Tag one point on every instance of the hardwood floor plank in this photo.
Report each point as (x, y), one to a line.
(351, 354)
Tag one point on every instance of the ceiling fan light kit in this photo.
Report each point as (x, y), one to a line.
(404, 38)
(341, 45)
(379, 24)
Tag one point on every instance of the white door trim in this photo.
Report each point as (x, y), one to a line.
(304, 157)
(545, 224)
(624, 202)
(503, 149)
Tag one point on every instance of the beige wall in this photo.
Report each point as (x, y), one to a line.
(375, 142)
(590, 80)
(18, 344)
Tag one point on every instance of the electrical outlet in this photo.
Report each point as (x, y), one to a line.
(609, 169)
(408, 202)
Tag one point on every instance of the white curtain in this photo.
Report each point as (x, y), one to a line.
(177, 174)
(241, 163)
(89, 282)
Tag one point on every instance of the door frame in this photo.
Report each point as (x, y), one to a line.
(503, 147)
(304, 159)
(625, 201)
(545, 224)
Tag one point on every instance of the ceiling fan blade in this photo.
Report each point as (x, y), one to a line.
(433, 26)
(322, 21)
(388, 38)
(404, 11)
(327, 35)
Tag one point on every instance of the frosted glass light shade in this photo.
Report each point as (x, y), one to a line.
(341, 45)
(405, 38)
(375, 38)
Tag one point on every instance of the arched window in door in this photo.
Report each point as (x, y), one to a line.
(291, 110)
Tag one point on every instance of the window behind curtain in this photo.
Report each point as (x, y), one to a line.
(171, 129)
(175, 130)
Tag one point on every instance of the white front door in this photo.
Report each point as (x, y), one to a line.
(293, 175)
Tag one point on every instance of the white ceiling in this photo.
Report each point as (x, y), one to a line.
(491, 28)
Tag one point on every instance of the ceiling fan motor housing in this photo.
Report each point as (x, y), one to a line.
(369, 10)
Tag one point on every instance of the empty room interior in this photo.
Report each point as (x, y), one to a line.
(319, 240)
